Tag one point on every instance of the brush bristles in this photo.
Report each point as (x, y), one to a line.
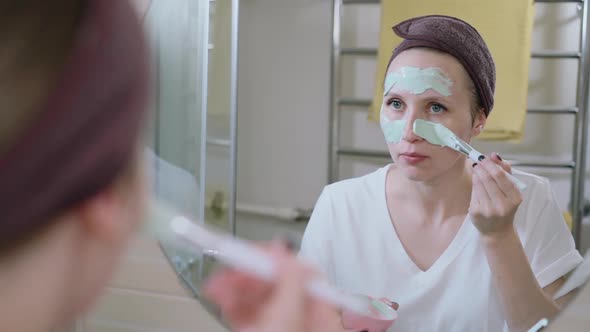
(427, 131)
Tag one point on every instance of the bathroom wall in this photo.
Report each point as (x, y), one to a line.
(146, 296)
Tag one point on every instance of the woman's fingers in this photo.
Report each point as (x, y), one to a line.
(287, 306)
(495, 157)
(479, 187)
(237, 294)
(392, 304)
(495, 198)
(475, 190)
(500, 185)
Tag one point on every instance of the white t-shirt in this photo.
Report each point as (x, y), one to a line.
(352, 240)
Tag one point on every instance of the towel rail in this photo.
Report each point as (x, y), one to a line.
(363, 102)
(549, 54)
(559, 164)
(219, 142)
(559, 1)
(351, 152)
(359, 51)
(553, 110)
(365, 153)
(361, 2)
(579, 111)
(546, 54)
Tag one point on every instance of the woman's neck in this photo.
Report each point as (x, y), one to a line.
(34, 284)
(443, 197)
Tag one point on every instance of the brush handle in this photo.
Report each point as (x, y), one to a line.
(478, 156)
(244, 256)
(519, 184)
(475, 155)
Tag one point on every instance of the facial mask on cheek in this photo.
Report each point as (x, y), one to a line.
(392, 130)
(417, 81)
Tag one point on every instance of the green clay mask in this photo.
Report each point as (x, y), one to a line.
(392, 130)
(417, 81)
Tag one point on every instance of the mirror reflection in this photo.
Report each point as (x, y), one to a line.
(438, 164)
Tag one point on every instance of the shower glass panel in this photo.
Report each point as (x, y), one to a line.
(192, 146)
(178, 32)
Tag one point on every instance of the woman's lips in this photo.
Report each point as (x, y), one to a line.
(412, 157)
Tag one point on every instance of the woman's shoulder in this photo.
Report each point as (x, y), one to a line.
(538, 199)
(369, 184)
(538, 187)
(343, 205)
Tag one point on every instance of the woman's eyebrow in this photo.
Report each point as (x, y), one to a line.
(441, 99)
(391, 94)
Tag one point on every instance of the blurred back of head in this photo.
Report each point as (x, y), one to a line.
(73, 92)
(35, 39)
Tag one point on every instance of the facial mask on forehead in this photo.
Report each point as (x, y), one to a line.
(417, 81)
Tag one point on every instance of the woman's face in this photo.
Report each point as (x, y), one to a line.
(432, 86)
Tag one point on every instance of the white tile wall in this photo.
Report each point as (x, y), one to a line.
(146, 296)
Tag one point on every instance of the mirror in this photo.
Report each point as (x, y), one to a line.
(284, 103)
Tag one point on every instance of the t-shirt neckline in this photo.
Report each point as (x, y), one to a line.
(463, 236)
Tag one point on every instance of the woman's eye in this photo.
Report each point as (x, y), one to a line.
(396, 104)
(437, 108)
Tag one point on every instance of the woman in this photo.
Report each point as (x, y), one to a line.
(74, 91)
(456, 244)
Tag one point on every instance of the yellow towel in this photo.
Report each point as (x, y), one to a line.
(568, 219)
(505, 25)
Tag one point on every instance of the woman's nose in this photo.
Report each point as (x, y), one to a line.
(408, 133)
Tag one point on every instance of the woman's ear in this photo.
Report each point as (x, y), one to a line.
(478, 124)
(103, 216)
(115, 212)
(142, 7)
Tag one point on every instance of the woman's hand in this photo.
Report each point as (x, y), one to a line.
(250, 304)
(494, 198)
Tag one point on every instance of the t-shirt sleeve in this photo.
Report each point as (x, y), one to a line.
(550, 246)
(316, 244)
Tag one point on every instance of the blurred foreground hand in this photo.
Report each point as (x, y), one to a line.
(251, 304)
